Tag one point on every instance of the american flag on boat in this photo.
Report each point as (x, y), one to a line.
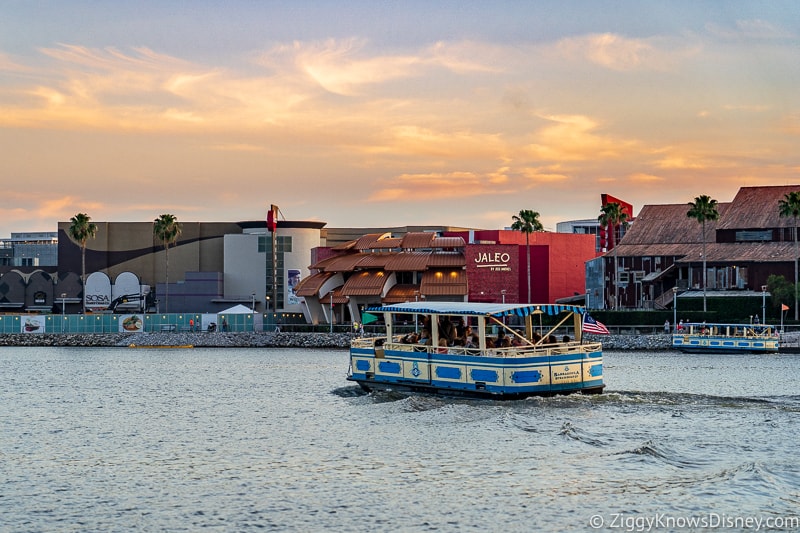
(590, 325)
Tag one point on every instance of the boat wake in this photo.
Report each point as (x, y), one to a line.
(572, 432)
(784, 403)
(661, 453)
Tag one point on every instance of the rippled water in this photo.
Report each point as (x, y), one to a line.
(184, 440)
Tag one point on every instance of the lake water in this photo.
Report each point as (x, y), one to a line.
(270, 439)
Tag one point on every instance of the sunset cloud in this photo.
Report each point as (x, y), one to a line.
(359, 116)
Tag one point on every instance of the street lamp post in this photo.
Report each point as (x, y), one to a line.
(63, 311)
(764, 303)
(331, 311)
(675, 308)
(253, 309)
(416, 316)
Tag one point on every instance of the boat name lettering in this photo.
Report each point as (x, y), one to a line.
(574, 373)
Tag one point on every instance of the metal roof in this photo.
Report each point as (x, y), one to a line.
(365, 283)
(444, 283)
(475, 308)
(311, 285)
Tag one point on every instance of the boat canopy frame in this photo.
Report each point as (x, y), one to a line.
(493, 312)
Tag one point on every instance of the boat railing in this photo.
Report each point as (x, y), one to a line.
(729, 330)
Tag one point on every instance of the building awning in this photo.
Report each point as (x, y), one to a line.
(365, 283)
(338, 297)
(408, 262)
(451, 282)
(311, 285)
(402, 293)
(654, 276)
(340, 263)
(446, 259)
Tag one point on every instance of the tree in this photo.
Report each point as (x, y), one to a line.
(790, 207)
(703, 209)
(780, 291)
(527, 222)
(82, 228)
(611, 217)
(167, 229)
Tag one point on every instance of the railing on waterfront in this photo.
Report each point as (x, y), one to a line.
(148, 322)
(244, 322)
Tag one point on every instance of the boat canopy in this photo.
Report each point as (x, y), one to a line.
(477, 309)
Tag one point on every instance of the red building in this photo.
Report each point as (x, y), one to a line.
(475, 265)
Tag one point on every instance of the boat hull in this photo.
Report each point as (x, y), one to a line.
(724, 345)
(495, 377)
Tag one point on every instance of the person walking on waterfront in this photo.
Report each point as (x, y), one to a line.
(666, 326)
(191, 324)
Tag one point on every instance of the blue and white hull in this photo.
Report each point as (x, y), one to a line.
(478, 376)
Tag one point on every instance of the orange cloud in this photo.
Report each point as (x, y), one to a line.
(573, 137)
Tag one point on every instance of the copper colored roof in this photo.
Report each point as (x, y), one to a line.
(402, 293)
(365, 283)
(344, 246)
(450, 282)
(338, 297)
(310, 286)
(447, 259)
(387, 244)
(448, 242)
(368, 241)
(421, 239)
(408, 262)
(375, 260)
(341, 263)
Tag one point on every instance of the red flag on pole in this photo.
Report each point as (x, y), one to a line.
(272, 218)
(784, 307)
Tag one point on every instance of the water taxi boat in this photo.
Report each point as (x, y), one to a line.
(726, 338)
(498, 361)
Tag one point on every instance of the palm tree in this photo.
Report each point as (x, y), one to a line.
(167, 229)
(612, 216)
(702, 209)
(81, 228)
(790, 207)
(527, 222)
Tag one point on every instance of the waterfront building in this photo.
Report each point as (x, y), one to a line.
(452, 266)
(30, 249)
(664, 249)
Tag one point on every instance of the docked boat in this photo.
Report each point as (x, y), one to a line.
(726, 338)
(466, 349)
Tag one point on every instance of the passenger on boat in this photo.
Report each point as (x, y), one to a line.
(551, 339)
(447, 330)
(472, 341)
(442, 346)
(411, 338)
(425, 337)
(461, 329)
(565, 339)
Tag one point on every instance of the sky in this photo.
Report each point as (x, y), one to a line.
(384, 113)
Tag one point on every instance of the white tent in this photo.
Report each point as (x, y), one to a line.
(241, 310)
(238, 309)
